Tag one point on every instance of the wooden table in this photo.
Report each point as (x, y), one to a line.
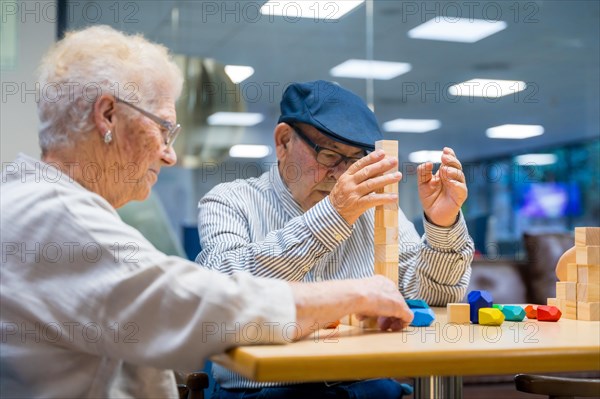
(430, 354)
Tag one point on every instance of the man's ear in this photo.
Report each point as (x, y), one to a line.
(104, 112)
(283, 136)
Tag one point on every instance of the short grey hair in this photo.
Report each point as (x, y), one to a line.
(94, 61)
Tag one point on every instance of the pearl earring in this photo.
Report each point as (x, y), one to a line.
(108, 137)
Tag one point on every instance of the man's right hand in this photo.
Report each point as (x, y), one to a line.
(355, 190)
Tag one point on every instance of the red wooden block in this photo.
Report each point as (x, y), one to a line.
(548, 313)
(531, 311)
(333, 324)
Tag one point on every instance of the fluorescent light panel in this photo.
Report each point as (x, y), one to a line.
(489, 88)
(425, 156)
(366, 69)
(235, 119)
(238, 73)
(315, 9)
(450, 29)
(411, 125)
(517, 132)
(536, 159)
(249, 151)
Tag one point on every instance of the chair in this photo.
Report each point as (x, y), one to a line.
(558, 387)
(194, 386)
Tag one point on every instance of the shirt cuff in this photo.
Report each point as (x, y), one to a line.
(454, 237)
(327, 225)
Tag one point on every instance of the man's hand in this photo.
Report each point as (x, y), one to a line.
(442, 194)
(354, 191)
(327, 301)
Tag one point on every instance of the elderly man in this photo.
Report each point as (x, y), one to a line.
(90, 308)
(310, 218)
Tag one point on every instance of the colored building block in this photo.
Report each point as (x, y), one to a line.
(478, 300)
(458, 313)
(490, 317)
(531, 311)
(417, 304)
(423, 317)
(548, 313)
(497, 306)
(513, 313)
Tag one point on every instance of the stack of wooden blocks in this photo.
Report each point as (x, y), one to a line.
(386, 223)
(579, 296)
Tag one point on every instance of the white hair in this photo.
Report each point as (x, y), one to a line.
(94, 61)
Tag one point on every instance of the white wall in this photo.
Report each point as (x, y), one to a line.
(35, 33)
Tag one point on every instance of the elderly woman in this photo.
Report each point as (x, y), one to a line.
(89, 308)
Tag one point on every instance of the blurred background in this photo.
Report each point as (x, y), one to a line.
(436, 74)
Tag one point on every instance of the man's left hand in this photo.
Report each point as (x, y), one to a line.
(443, 193)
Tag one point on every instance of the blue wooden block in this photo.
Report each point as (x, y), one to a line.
(513, 313)
(417, 304)
(478, 300)
(423, 317)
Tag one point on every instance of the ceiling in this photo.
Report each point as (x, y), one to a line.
(551, 45)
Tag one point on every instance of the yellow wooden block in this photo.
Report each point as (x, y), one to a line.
(386, 252)
(566, 290)
(386, 218)
(588, 311)
(588, 292)
(585, 236)
(387, 269)
(459, 313)
(386, 235)
(588, 274)
(572, 272)
(491, 317)
(588, 255)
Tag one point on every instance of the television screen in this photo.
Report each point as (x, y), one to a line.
(549, 200)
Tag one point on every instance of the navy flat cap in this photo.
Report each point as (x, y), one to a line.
(336, 112)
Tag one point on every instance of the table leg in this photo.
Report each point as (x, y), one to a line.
(433, 387)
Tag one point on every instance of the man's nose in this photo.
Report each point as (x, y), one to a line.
(169, 156)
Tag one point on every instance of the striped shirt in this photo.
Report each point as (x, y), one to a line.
(256, 226)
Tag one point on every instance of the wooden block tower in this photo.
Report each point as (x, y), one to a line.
(386, 232)
(579, 296)
(386, 223)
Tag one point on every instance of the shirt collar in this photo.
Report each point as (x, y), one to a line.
(283, 193)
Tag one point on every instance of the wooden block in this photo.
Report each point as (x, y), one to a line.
(552, 302)
(572, 272)
(370, 323)
(589, 255)
(391, 188)
(387, 269)
(588, 292)
(588, 311)
(585, 236)
(588, 274)
(566, 290)
(459, 313)
(390, 147)
(569, 309)
(384, 235)
(563, 261)
(386, 217)
(386, 252)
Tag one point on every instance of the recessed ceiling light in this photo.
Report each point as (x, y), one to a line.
(490, 88)
(235, 119)
(514, 131)
(365, 69)
(316, 9)
(425, 156)
(238, 73)
(450, 29)
(249, 151)
(536, 159)
(411, 125)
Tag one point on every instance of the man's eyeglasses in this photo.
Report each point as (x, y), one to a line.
(171, 130)
(325, 156)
